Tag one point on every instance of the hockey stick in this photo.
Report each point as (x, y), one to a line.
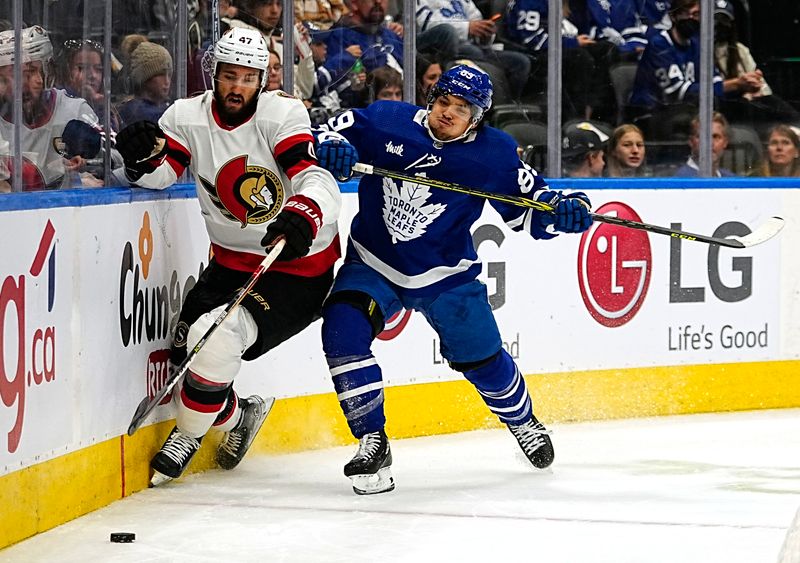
(769, 229)
(147, 405)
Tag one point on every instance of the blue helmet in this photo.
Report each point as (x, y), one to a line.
(469, 83)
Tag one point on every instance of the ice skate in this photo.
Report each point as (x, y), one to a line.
(370, 469)
(534, 439)
(235, 444)
(174, 456)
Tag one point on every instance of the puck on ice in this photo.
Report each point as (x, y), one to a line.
(122, 537)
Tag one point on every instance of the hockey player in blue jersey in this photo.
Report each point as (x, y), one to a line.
(410, 247)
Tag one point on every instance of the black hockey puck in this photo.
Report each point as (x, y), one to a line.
(122, 537)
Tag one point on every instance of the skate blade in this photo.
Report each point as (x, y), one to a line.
(159, 479)
(372, 484)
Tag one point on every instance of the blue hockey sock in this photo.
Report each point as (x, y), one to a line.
(346, 340)
(502, 388)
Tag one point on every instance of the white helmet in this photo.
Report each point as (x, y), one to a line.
(244, 47)
(36, 46)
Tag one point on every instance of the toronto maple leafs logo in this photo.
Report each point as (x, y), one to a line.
(405, 209)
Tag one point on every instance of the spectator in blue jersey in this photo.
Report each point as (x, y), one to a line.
(363, 36)
(655, 13)
(477, 35)
(410, 247)
(625, 17)
(719, 142)
(526, 24)
(667, 84)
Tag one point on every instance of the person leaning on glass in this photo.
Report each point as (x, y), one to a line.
(58, 132)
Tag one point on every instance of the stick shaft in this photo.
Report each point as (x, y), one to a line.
(146, 406)
(541, 206)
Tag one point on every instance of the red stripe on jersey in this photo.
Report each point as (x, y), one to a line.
(289, 142)
(199, 407)
(230, 414)
(308, 266)
(204, 381)
(178, 156)
(299, 167)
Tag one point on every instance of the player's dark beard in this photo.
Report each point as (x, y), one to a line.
(234, 118)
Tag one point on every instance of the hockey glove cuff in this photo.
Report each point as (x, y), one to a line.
(138, 144)
(572, 213)
(299, 221)
(336, 155)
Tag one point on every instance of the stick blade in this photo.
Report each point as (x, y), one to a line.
(138, 416)
(762, 234)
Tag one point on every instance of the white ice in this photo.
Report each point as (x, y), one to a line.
(702, 488)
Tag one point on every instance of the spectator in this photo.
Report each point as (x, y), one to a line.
(265, 16)
(655, 14)
(526, 24)
(626, 153)
(385, 83)
(275, 72)
(734, 60)
(667, 87)
(59, 132)
(80, 72)
(428, 73)
(719, 142)
(321, 13)
(583, 155)
(150, 74)
(476, 36)
(362, 35)
(783, 153)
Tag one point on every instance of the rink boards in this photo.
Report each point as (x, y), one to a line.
(611, 324)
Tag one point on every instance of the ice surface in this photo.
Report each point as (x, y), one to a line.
(702, 488)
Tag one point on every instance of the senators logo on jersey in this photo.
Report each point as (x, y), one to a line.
(250, 195)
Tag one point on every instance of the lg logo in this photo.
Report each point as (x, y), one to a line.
(614, 268)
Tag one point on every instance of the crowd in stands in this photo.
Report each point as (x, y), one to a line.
(630, 82)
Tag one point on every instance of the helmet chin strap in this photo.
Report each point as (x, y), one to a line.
(473, 122)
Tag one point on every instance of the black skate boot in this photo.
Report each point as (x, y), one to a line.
(534, 439)
(370, 469)
(236, 442)
(174, 456)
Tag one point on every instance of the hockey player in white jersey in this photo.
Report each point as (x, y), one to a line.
(251, 153)
(411, 247)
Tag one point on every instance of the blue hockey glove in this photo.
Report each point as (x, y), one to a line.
(572, 211)
(337, 156)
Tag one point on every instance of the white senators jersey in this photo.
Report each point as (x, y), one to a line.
(42, 138)
(245, 175)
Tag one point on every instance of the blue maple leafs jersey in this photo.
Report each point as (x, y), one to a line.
(416, 236)
(669, 73)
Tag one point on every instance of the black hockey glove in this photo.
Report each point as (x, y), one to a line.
(298, 222)
(138, 144)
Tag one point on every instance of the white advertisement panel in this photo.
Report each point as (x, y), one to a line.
(89, 297)
(611, 298)
(37, 300)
